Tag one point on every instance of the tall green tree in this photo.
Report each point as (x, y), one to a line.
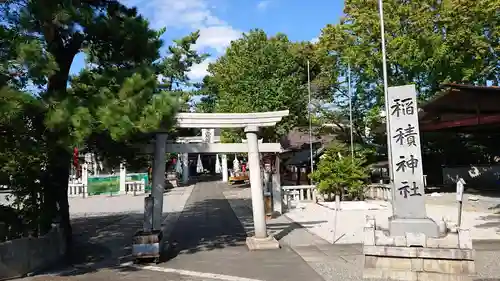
(428, 43)
(260, 73)
(117, 97)
(178, 61)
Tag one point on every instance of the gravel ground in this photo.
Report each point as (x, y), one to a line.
(471, 202)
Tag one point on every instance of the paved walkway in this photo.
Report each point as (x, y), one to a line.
(208, 237)
(208, 244)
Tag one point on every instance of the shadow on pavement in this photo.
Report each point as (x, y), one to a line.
(100, 242)
(207, 224)
(211, 224)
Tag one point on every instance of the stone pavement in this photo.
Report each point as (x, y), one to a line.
(208, 243)
(209, 238)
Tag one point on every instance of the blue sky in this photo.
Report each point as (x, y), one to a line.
(221, 21)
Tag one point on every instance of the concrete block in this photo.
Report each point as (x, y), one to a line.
(416, 240)
(384, 240)
(400, 241)
(449, 241)
(269, 243)
(400, 226)
(19, 257)
(369, 236)
(415, 256)
(417, 264)
(464, 239)
(448, 254)
(385, 274)
(387, 251)
(455, 267)
(416, 252)
(431, 276)
(370, 221)
(388, 263)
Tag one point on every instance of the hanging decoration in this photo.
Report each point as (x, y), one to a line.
(178, 165)
(236, 164)
(218, 167)
(199, 165)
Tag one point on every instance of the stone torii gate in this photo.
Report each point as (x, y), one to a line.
(250, 122)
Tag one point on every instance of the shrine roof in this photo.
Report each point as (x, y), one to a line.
(461, 106)
(464, 99)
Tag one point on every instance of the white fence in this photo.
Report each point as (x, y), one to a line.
(135, 187)
(293, 194)
(307, 193)
(378, 191)
(78, 187)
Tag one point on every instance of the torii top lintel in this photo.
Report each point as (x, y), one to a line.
(230, 120)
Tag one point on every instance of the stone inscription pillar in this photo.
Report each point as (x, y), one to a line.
(408, 202)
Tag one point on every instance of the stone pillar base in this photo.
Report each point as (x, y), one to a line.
(414, 256)
(147, 245)
(427, 226)
(269, 243)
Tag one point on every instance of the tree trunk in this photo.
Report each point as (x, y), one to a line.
(59, 157)
(55, 193)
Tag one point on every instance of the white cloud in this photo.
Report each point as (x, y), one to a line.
(315, 40)
(199, 71)
(191, 15)
(262, 5)
(215, 33)
(217, 37)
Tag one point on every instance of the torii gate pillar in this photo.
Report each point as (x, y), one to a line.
(251, 122)
(256, 183)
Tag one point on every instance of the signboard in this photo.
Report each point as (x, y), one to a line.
(406, 156)
(103, 185)
(460, 189)
(207, 135)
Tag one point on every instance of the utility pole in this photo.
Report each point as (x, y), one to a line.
(350, 108)
(386, 93)
(309, 109)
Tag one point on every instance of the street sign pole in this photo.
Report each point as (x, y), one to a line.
(460, 197)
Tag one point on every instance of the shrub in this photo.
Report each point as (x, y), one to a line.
(338, 173)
